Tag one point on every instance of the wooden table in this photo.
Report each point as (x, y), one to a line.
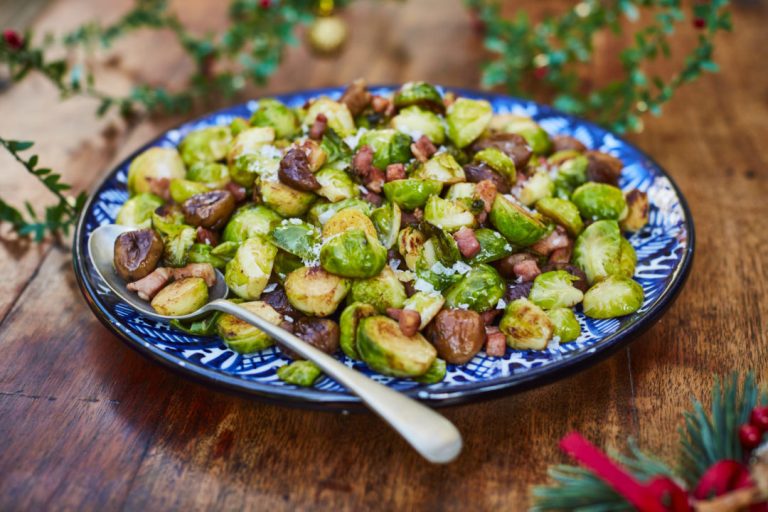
(88, 424)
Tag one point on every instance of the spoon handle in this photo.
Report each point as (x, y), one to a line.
(430, 434)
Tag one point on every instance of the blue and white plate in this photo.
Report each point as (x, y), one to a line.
(664, 250)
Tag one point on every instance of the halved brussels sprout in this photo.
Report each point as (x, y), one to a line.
(298, 238)
(381, 291)
(334, 147)
(137, 211)
(479, 290)
(614, 296)
(285, 200)
(152, 165)
(387, 219)
(167, 219)
(566, 325)
(410, 245)
(411, 193)
(181, 297)
(571, 173)
(427, 304)
(526, 326)
(597, 250)
(464, 190)
(448, 215)
(627, 259)
(637, 211)
(281, 118)
(346, 220)
(561, 156)
(435, 374)
(348, 322)
(315, 292)
(538, 186)
(467, 119)
(213, 174)
(338, 115)
(238, 125)
(322, 211)
(241, 336)
(246, 169)
(285, 263)
(353, 253)
(205, 145)
(205, 326)
(250, 142)
(442, 246)
(420, 94)
(416, 122)
(177, 244)
(599, 201)
(335, 184)
(299, 373)
(534, 135)
(248, 272)
(563, 212)
(442, 167)
(181, 189)
(555, 289)
(389, 147)
(493, 246)
(226, 250)
(249, 221)
(499, 162)
(203, 253)
(385, 349)
(516, 224)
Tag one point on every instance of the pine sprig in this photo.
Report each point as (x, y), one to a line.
(58, 218)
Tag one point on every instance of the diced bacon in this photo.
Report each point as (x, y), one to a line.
(375, 180)
(490, 316)
(362, 162)
(467, 242)
(495, 344)
(408, 320)
(148, 286)
(527, 270)
(395, 172)
(237, 191)
(160, 187)
(318, 127)
(373, 198)
(206, 236)
(486, 192)
(412, 218)
(379, 104)
(561, 255)
(423, 148)
(356, 97)
(203, 270)
(557, 239)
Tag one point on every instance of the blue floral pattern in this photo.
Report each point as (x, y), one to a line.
(664, 249)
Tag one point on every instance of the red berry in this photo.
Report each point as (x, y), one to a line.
(541, 73)
(699, 23)
(13, 39)
(749, 435)
(265, 4)
(759, 418)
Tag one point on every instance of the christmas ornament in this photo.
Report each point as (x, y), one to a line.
(327, 34)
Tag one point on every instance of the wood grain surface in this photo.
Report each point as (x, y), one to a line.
(88, 424)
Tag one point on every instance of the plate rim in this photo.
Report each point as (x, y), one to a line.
(324, 400)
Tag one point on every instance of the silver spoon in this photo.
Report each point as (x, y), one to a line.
(430, 434)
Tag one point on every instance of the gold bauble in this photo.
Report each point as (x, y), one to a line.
(327, 34)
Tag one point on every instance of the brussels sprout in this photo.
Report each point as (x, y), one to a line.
(336, 184)
(181, 297)
(538, 186)
(526, 326)
(515, 223)
(561, 156)
(315, 292)
(334, 147)
(241, 336)
(238, 124)
(479, 290)
(442, 167)
(614, 296)
(203, 253)
(534, 135)
(467, 119)
(181, 189)
(441, 244)
(571, 174)
(410, 245)
(346, 220)
(627, 259)
(555, 289)
(416, 122)
(428, 305)
(154, 164)
(436, 274)
(348, 322)
(250, 155)
(637, 211)
(285, 263)
(389, 147)
(599, 201)
(177, 243)
(167, 219)
(285, 200)
(214, 175)
(281, 118)
(353, 253)
(205, 145)
(448, 215)
(137, 211)
(249, 221)
(563, 212)
(248, 272)
(411, 193)
(464, 190)
(299, 373)
(226, 250)
(420, 94)
(435, 374)
(498, 161)
(566, 326)
(385, 349)
(381, 291)
(205, 326)
(315, 154)
(298, 238)
(322, 211)
(493, 246)
(387, 219)
(338, 115)
(597, 250)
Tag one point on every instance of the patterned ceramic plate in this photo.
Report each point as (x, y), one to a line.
(664, 249)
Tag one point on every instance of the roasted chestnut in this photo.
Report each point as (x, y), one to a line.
(210, 210)
(321, 333)
(457, 334)
(137, 253)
